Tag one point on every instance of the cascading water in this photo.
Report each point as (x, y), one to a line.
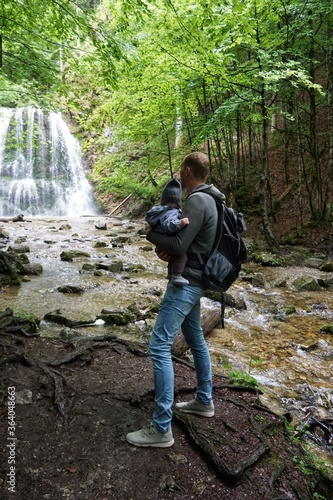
(41, 169)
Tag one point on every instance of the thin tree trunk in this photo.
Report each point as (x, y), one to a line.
(329, 65)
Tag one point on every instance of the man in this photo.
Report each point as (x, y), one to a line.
(180, 306)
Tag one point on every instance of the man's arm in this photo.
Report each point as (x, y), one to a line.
(179, 243)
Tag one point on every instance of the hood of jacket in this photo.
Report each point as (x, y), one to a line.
(153, 215)
(210, 189)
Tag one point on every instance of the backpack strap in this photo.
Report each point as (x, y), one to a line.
(222, 309)
(219, 231)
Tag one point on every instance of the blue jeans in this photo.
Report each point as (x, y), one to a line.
(180, 308)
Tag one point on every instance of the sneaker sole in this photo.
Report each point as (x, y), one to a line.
(153, 445)
(202, 414)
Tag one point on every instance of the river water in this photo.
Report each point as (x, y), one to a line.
(287, 354)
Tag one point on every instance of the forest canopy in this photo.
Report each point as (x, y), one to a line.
(145, 82)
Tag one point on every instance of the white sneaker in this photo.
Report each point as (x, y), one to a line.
(197, 408)
(150, 436)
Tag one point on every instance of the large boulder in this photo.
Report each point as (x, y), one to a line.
(306, 283)
(116, 315)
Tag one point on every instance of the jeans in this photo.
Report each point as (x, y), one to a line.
(180, 308)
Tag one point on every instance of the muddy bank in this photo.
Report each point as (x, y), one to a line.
(75, 404)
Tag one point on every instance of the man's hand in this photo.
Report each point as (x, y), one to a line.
(166, 257)
(185, 221)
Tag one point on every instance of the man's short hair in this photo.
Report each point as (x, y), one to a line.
(199, 165)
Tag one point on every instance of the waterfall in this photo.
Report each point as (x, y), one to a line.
(41, 169)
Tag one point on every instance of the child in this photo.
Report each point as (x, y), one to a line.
(166, 218)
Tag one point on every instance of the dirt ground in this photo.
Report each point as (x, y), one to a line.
(65, 436)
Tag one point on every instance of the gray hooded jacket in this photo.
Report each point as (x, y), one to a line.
(200, 208)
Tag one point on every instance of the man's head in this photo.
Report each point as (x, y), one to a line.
(172, 193)
(194, 170)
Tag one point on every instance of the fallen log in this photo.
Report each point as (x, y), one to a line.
(120, 204)
(210, 319)
(17, 218)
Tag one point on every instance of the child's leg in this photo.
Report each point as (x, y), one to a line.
(177, 269)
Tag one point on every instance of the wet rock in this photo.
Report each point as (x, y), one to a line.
(123, 239)
(319, 307)
(71, 289)
(306, 283)
(116, 316)
(314, 262)
(3, 234)
(134, 309)
(147, 248)
(256, 280)
(63, 319)
(115, 266)
(309, 347)
(70, 255)
(234, 301)
(280, 283)
(101, 225)
(326, 283)
(135, 268)
(88, 267)
(101, 272)
(101, 244)
(231, 300)
(34, 269)
(327, 266)
(20, 240)
(19, 249)
(270, 309)
(65, 227)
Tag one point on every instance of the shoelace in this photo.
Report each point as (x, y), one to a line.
(148, 431)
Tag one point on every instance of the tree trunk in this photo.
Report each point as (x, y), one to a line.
(264, 174)
(329, 181)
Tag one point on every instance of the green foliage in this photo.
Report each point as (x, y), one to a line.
(255, 362)
(223, 361)
(161, 79)
(243, 378)
(327, 329)
(266, 260)
(290, 310)
(32, 322)
(309, 459)
(39, 38)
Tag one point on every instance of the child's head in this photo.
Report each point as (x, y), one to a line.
(172, 193)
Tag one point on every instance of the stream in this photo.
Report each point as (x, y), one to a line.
(286, 353)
